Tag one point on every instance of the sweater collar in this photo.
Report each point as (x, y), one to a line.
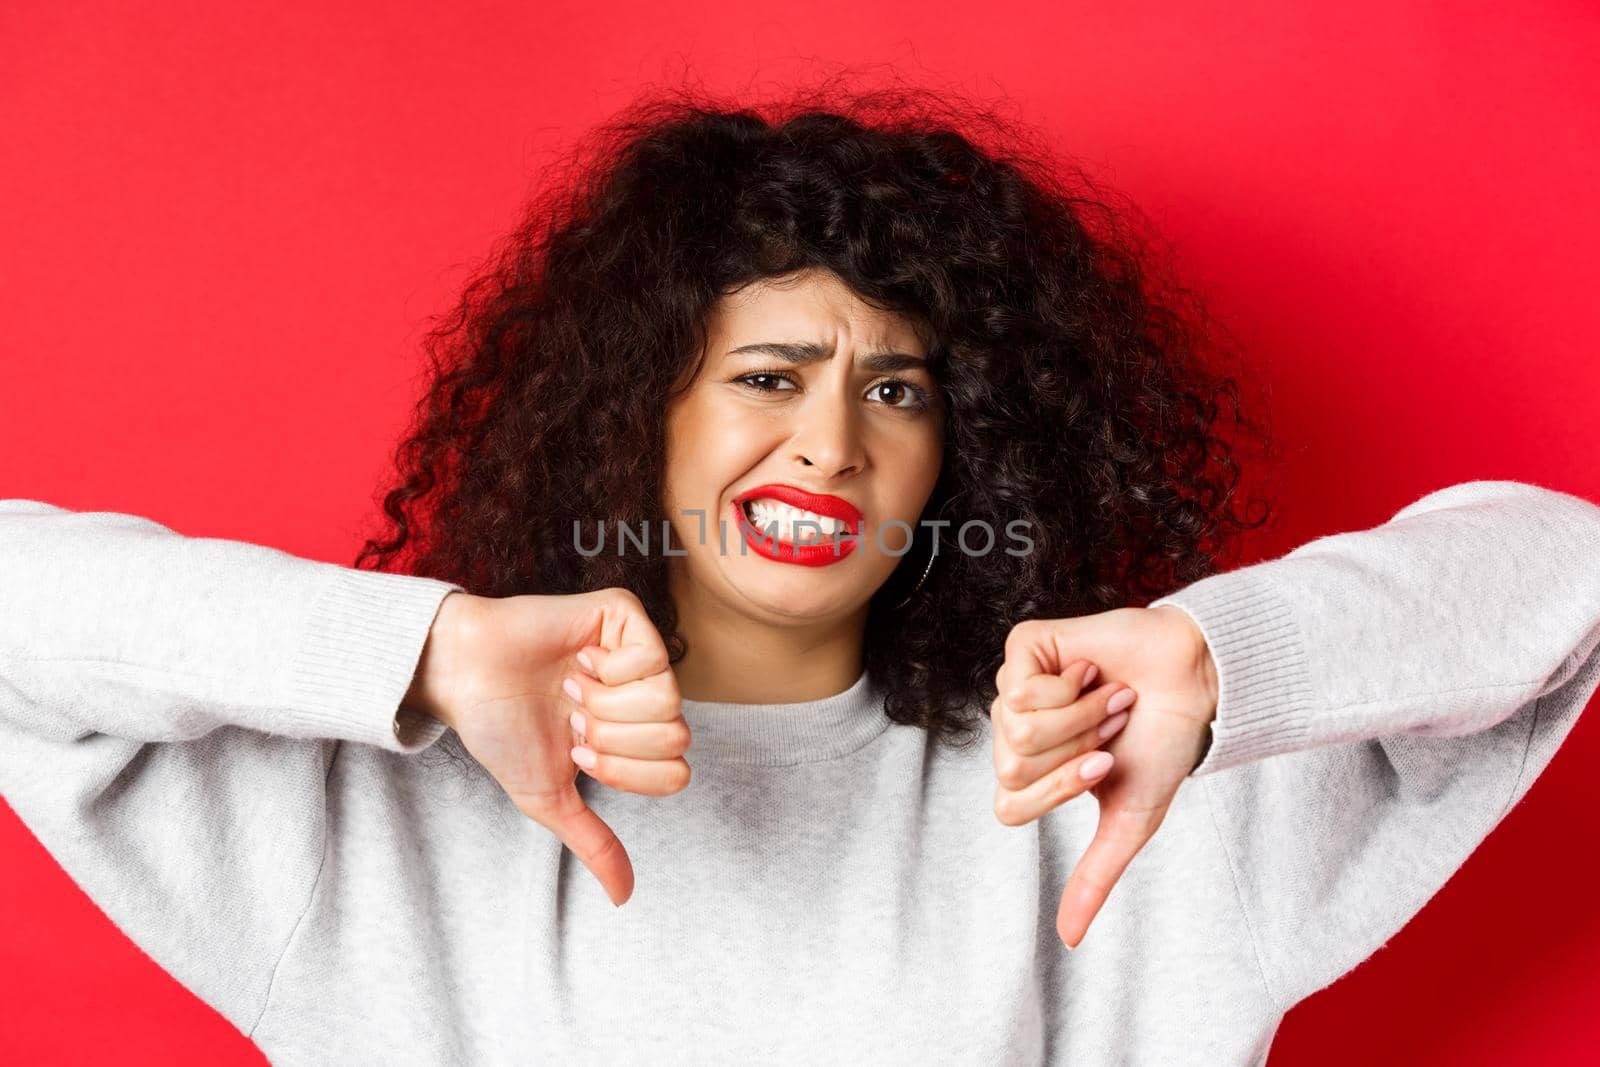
(776, 735)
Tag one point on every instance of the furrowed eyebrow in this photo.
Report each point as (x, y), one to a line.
(797, 353)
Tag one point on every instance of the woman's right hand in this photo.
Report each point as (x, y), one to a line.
(493, 671)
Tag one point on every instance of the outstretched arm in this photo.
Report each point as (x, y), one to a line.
(169, 710)
(1385, 697)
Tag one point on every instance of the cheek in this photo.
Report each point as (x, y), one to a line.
(724, 427)
(919, 462)
(710, 447)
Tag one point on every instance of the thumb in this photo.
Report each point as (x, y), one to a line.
(594, 843)
(1117, 839)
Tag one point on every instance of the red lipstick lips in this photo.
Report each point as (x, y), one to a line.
(814, 555)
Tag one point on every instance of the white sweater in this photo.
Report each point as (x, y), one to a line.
(203, 732)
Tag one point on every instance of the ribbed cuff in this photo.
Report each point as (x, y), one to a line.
(364, 638)
(1265, 702)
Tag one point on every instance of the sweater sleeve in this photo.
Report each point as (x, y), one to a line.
(1385, 697)
(169, 710)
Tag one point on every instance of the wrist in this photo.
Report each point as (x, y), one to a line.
(1206, 689)
(439, 666)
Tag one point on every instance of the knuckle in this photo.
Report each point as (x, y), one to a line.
(1009, 769)
(680, 739)
(604, 849)
(1005, 809)
(617, 594)
(681, 774)
(665, 705)
(1020, 635)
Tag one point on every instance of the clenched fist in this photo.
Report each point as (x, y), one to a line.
(1117, 704)
(502, 671)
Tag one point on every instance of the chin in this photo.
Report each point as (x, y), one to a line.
(799, 598)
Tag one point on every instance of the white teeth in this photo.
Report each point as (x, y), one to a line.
(769, 513)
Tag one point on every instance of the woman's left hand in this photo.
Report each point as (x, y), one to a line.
(1046, 721)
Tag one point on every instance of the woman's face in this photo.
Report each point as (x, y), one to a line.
(855, 420)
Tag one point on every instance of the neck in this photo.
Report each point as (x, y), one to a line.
(732, 658)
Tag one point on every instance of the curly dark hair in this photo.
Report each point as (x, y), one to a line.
(1078, 396)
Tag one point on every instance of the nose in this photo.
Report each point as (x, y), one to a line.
(828, 437)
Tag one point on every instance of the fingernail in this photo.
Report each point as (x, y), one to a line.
(1107, 728)
(579, 722)
(1095, 765)
(1091, 674)
(1120, 700)
(583, 757)
(572, 689)
(588, 665)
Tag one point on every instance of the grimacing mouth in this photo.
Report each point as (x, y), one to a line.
(812, 536)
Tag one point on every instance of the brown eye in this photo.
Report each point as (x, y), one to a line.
(751, 379)
(918, 398)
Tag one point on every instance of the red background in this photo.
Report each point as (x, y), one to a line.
(225, 226)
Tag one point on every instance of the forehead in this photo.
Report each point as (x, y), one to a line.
(811, 305)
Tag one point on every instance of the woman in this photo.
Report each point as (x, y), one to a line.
(851, 317)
